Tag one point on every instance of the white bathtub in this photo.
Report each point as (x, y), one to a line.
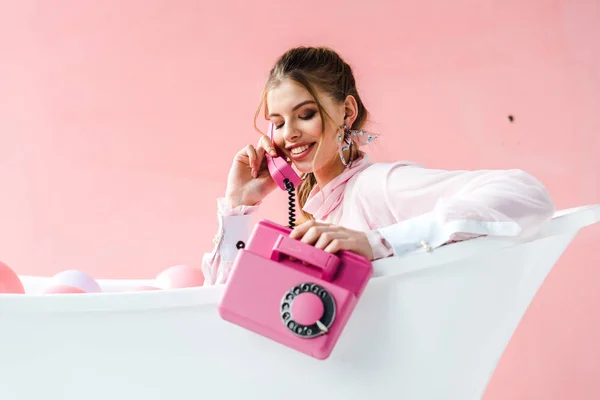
(430, 326)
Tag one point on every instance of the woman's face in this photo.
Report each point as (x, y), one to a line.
(298, 128)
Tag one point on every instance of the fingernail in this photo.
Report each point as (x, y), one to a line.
(273, 153)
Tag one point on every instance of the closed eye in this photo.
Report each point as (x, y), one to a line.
(309, 115)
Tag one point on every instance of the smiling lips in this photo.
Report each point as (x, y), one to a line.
(300, 152)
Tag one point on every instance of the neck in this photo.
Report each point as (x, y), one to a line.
(330, 171)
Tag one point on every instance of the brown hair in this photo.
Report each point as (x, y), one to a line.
(315, 68)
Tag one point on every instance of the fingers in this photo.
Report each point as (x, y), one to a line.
(265, 143)
(252, 159)
(332, 238)
(256, 155)
(300, 230)
(328, 238)
(318, 234)
(338, 245)
(313, 234)
(260, 157)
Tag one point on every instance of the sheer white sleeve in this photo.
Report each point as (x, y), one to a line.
(235, 225)
(433, 207)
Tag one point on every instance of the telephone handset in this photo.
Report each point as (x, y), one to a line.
(284, 175)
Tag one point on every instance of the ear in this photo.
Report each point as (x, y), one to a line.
(350, 110)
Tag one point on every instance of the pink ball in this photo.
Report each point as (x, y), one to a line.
(76, 279)
(9, 281)
(53, 289)
(180, 276)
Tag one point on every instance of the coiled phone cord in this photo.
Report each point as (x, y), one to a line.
(291, 202)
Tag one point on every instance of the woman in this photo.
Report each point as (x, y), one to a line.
(374, 209)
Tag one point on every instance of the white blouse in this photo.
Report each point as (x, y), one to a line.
(403, 208)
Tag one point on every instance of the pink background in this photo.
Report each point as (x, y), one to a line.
(119, 120)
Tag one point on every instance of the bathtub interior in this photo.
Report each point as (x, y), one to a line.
(429, 326)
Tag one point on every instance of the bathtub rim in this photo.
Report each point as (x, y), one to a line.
(564, 223)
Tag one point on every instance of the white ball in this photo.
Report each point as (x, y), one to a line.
(77, 279)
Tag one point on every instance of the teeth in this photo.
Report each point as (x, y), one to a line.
(301, 149)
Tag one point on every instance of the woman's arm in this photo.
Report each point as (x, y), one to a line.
(433, 207)
(235, 224)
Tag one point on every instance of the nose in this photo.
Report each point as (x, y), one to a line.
(290, 132)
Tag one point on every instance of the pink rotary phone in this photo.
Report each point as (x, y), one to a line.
(289, 291)
(292, 292)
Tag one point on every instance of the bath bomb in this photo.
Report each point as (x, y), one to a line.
(9, 281)
(76, 279)
(180, 276)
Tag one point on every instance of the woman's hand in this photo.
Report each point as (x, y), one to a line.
(249, 180)
(332, 238)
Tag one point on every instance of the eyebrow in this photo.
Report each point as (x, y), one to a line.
(297, 106)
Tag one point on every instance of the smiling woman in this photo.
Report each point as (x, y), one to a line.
(373, 209)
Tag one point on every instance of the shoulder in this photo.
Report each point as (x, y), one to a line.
(372, 184)
(379, 172)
